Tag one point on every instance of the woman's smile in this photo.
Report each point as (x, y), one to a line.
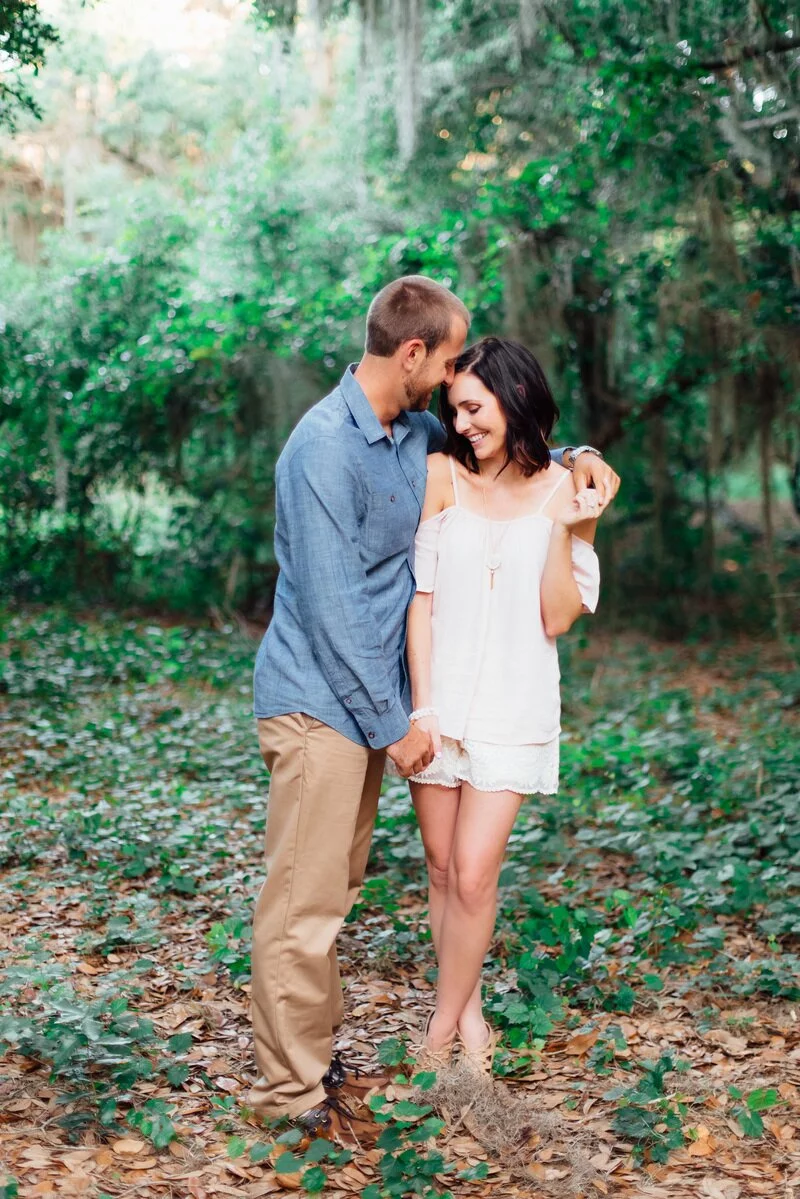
(477, 416)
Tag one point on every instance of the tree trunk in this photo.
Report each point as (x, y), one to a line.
(658, 460)
(528, 12)
(589, 316)
(406, 19)
(765, 456)
(369, 64)
(60, 464)
(709, 542)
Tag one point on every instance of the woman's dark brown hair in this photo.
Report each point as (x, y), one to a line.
(514, 376)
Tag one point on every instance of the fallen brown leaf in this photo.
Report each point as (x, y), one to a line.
(127, 1146)
(582, 1043)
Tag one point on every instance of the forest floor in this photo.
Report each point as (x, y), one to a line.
(643, 972)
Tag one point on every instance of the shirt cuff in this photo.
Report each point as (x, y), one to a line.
(385, 729)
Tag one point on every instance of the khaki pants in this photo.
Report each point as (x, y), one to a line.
(323, 799)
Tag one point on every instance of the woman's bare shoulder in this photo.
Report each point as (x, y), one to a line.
(439, 488)
(560, 491)
(438, 466)
(555, 482)
(556, 471)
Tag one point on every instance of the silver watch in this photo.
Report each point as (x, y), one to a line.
(574, 451)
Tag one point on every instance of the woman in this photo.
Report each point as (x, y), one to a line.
(504, 565)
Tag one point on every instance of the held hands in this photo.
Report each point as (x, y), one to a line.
(591, 471)
(412, 753)
(430, 725)
(586, 505)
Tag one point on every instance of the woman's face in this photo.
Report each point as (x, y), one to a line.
(477, 415)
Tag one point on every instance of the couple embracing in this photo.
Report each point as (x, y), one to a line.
(426, 567)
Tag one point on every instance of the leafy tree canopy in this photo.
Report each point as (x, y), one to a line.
(24, 39)
(615, 185)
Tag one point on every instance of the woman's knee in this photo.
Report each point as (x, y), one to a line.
(438, 872)
(475, 887)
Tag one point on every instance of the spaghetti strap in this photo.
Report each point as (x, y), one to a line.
(453, 477)
(551, 493)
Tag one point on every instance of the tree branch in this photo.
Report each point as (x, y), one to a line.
(777, 118)
(775, 45)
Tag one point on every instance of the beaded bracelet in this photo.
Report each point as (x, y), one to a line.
(418, 713)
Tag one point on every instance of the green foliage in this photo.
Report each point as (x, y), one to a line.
(229, 942)
(602, 1056)
(647, 1116)
(686, 799)
(597, 186)
(287, 1158)
(97, 1049)
(404, 1168)
(391, 1052)
(153, 1121)
(748, 1114)
(24, 39)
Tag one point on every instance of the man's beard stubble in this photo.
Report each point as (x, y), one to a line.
(420, 399)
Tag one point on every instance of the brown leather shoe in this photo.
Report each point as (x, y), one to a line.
(347, 1080)
(334, 1121)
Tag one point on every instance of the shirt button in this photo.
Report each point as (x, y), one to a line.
(347, 699)
(371, 736)
(391, 499)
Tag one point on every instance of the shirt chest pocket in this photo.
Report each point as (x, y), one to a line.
(391, 522)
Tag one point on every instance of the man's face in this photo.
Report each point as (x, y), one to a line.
(435, 368)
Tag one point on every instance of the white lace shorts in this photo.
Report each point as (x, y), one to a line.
(524, 769)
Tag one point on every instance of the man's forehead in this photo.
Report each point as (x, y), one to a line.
(458, 335)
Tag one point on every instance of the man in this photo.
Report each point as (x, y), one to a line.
(331, 693)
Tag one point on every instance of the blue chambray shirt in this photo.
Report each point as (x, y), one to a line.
(348, 501)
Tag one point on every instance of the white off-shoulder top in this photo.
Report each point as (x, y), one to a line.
(494, 670)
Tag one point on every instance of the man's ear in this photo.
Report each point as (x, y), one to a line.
(412, 353)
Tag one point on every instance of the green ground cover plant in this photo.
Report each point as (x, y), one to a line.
(648, 916)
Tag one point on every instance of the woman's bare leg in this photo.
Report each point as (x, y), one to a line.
(437, 811)
(483, 825)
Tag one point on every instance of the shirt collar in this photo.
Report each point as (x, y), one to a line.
(363, 413)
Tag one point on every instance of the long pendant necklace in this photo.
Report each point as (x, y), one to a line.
(492, 551)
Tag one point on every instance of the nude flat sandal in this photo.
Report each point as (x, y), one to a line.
(433, 1060)
(480, 1060)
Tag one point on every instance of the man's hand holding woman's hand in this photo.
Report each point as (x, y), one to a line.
(412, 753)
(587, 504)
(591, 471)
(423, 740)
(430, 725)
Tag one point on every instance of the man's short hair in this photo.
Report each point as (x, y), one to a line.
(408, 308)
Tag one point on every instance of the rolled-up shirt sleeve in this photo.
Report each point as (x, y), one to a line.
(586, 572)
(323, 499)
